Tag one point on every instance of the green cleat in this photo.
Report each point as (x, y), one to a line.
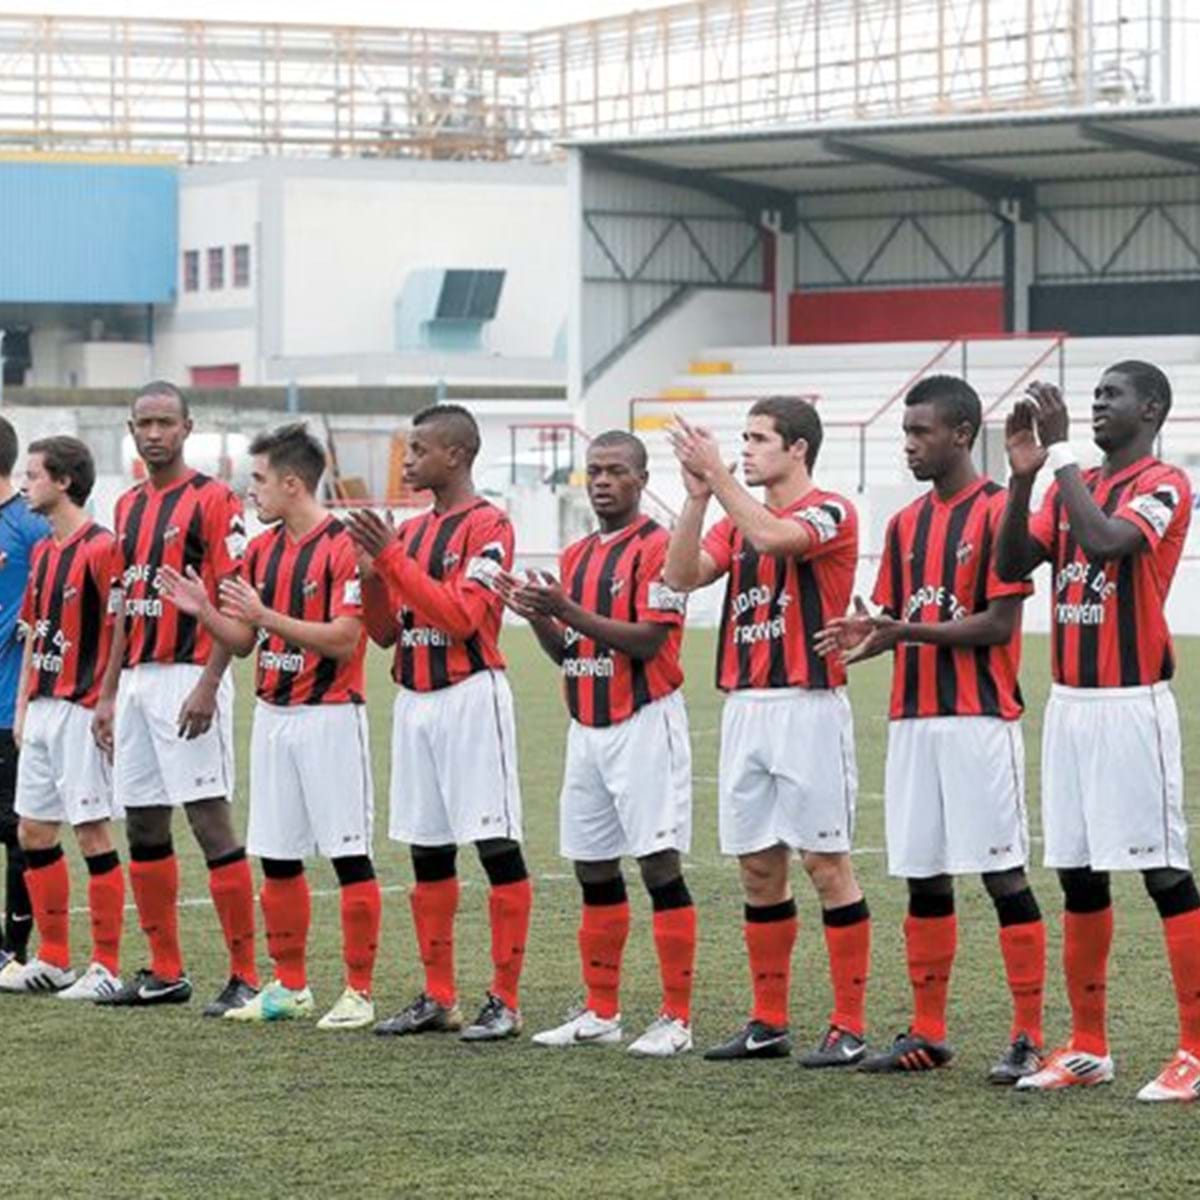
(274, 1003)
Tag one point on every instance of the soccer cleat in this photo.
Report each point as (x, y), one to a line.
(423, 1015)
(354, 1010)
(95, 982)
(1069, 1068)
(1022, 1058)
(1179, 1080)
(274, 1003)
(581, 1028)
(235, 994)
(909, 1052)
(38, 977)
(496, 1021)
(665, 1038)
(755, 1039)
(838, 1048)
(146, 989)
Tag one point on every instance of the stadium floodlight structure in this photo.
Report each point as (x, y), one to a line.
(218, 90)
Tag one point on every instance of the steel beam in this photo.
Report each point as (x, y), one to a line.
(1121, 139)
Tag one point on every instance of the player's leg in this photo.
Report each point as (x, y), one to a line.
(18, 909)
(361, 912)
(49, 885)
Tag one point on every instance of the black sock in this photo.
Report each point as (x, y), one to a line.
(18, 912)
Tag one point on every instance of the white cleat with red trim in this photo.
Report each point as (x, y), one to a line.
(1179, 1080)
(1069, 1068)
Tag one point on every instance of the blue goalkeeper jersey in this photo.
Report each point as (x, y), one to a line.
(20, 531)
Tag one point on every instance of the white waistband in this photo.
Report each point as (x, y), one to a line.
(1060, 691)
(782, 693)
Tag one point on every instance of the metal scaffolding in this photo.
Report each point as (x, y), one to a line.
(215, 91)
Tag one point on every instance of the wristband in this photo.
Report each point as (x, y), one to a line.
(1061, 455)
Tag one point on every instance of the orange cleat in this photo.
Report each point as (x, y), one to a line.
(1179, 1080)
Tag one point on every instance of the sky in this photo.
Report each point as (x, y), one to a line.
(445, 14)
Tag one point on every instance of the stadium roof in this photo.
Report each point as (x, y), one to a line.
(994, 156)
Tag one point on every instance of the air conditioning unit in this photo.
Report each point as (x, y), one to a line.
(445, 309)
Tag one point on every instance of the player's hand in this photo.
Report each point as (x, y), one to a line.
(187, 593)
(1025, 455)
(240, 601)
(696, 449)
(18, 729)
(103, 720)
(197, 711)
(843, 634)
(372, 534)
(508, 587)
(694, 485)
(543, 595)
(1052, 418)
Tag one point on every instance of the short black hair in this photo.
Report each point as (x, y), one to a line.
(794, 419)
(956, 401)
(161, 387)
(1148, 381)
(68, 458)
(9, 447)
(458, 426)
(292, 450)
(613, 439)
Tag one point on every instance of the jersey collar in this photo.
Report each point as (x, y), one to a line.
(74, 537)
(962, 494)
(1134, 468)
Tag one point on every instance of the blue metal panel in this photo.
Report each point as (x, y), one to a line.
(88, 233)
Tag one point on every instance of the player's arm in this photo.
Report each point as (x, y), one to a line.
(106, 701)
(337, 638)
(379, 616)
(992, 627)
(1018, 552)
(23, 688)
(190, 595)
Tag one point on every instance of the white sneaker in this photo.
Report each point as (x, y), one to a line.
(352, 1011)
(666, 1037)
(582, 1028)
(94, 984)
(10, 969)
(37, 976)
(1067, 1068)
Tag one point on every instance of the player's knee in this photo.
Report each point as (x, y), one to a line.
(1085, 890)
(831, 874)
(660, 869)
(282, 868)
(589, 874)
(931, 897)
(432, 864)
(502, 861)
(147, 828)
(765, 876)
(353, 868)
(1005, 883)
(212, 826)
(94, 837)
(36, 835)
(1173, 891)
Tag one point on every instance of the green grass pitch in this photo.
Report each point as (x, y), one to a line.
(162, 1102)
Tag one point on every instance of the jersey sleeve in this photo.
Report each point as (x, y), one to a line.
(718, 544)
(833, 524)
(225, 529)
(888, 581)
(488, 551)
(346, 599)
(1041, 523)
(1158, 502)
(997, 588)
(654, 601)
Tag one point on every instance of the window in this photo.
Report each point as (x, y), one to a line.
(216, 268)
(191, 270)
(241, 266)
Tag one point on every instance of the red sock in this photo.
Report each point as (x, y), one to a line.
(769, 944)
(1024, 949)
(287, 914)
(1087, 938)
(509, 906)
(433, 908)
(930, 943)
(156, 894)
(232, 888)
(106, 905)
(848, 941)
(50, 895)
(603, 931)
(1183, 950)
(675, 941)
(362, 910)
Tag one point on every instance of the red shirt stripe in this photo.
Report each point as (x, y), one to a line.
(64, 612)
(938, 565)
(620, 576)
(314, 578)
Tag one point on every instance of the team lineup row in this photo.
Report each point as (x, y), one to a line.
(125, 709)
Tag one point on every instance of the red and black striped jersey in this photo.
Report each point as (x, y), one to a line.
(65, 613)
(457, 554)
(314, 578)
(938, 565)
(775, 606)
(1108, 627)
(620, 576)
(196, 522)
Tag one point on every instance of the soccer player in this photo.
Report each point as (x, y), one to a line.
(20, 531)
(787, 776)
(310, 771)
(62, 776)
(167, 687)
(1112, 776)
(431, 593)
(615, 628)
(954, 791)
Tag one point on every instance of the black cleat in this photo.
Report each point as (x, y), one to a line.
(235, 994)
(423, 1015)
(908, 1053)
(755, 1039)
(146, 988)
(1020, 1059)
(838, 1048)
(496, 1021)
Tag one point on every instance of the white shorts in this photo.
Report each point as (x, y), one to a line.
(454, 764)
(787, 771)
(62, 776)
(954, 796)
(152, 763)
(627, 788)
(1112, 779)
(310, 781)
